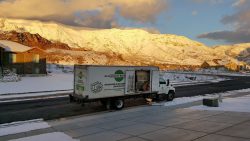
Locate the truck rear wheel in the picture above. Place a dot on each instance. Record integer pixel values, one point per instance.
(118, 104)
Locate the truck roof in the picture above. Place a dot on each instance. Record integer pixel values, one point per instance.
(114, 66)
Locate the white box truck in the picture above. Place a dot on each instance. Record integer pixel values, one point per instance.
(112, 84)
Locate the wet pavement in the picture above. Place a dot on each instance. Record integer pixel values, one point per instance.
(152, 123)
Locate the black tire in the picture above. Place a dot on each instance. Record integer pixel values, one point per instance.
(118, 104)
(170, 96)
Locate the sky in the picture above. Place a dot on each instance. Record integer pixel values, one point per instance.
(211, 22)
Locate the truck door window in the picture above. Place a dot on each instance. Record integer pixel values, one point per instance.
(162, 81)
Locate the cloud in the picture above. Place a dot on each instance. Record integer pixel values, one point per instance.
(229, 36)
(240, 21)
(90, 13)
(239, 3)
(209, 1)
(141, 10)
(104, 18)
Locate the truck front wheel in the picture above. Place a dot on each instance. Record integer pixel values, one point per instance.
(118, 104)
(170, 96)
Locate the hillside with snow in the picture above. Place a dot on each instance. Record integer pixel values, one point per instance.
(238, 51)
(129, 44)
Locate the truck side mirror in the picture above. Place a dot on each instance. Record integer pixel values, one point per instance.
(168, 82)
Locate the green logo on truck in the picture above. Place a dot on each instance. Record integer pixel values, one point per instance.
(119, 75)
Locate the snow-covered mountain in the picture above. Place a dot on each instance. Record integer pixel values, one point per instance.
(119, 46)
(239, 51)
(131, 44)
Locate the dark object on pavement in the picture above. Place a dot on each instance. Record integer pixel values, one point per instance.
(211, 102)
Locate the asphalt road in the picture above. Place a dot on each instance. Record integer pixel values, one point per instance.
(235, 83)
(61, 107)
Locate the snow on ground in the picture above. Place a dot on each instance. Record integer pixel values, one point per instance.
(52, 82)
(22, 126)
(183, 100)
(238, 104)
(225, 73)
(185, 79)
(54, 136)
(180, 77)
(213, 72)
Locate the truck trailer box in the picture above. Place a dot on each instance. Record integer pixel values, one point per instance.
(105, 82)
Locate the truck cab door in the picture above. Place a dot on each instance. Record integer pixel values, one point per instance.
(130, 82)
(155, 77)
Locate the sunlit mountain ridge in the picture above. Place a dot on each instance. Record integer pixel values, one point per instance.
(127, 46)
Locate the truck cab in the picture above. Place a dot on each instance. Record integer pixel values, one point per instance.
(166, 90)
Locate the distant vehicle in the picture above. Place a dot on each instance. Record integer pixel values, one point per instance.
(113, 84)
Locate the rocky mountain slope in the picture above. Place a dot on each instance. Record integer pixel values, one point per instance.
(31, 40)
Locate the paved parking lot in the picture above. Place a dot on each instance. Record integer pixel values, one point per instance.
(155, 123)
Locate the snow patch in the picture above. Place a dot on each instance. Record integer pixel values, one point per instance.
(222, 73)
(53, 82)
(22, 126)
(186, 79)
(54, 136)
(13, 46)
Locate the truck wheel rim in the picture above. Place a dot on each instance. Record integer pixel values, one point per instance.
(170, 96)
(119, 103)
